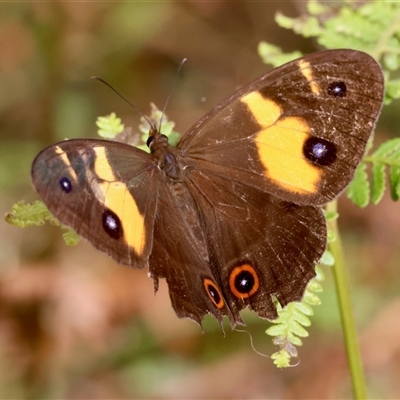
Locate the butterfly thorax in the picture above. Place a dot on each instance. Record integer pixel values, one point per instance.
(164, 155)
(166, 158)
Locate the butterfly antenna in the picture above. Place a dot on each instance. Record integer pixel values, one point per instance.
(170, 92)
(252, 342)
(124, 98)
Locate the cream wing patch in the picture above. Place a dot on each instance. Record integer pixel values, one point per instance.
(306, 70)
(280, 145)
(61, 153)
(115, 196)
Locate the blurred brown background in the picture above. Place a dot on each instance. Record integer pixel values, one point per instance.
(73, 324)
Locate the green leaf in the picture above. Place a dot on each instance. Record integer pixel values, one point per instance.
(276, 330)
(392, 89)
(327, 259)
(302, 307)
(285, 22)
(394, 176)
(307, 27)
(37, 214)
(316, 8)
(394, 179)
(320, 277)
(391, 61)
(294, 340)
(32, 214)
(385, 149)
(109, 126)
(290, 325)
(311, 299)
(315, 287)
(281, 359)
(298, 330)
(331, 236)
(358, 190)
(331, 215)
(301, 318)
(377, 182)
(350, 26)
(387, 154)
(273, 55)
(71, 238)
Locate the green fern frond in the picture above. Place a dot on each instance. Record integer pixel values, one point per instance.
(394, 177)
(387, 155)
(307, 27)
(392, 90)
(32, 214)
(37, 214)
(71, 238)
(373, 27)
(361, 191)
(109, 126)
(370, 27)
(289, 327)
(271, 54)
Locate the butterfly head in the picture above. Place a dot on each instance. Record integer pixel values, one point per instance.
(156, 140)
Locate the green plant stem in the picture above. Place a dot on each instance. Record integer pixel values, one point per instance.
(346, 313)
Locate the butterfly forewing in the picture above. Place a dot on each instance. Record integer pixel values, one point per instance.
(106, 191)
(298, 132)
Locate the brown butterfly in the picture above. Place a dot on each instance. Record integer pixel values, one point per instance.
(231, 216)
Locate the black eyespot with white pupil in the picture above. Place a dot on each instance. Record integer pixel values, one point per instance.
(65, 184)
(337, 89)
(320, 151)
(213, 293)
(112, 224)
(244, 281)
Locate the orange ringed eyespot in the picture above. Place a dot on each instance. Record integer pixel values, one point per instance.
(214, 293)
(243, 281)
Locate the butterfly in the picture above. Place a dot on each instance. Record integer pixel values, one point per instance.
(231, 217)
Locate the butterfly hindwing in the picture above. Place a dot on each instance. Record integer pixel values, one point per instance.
(180, 254)
(261, 246)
